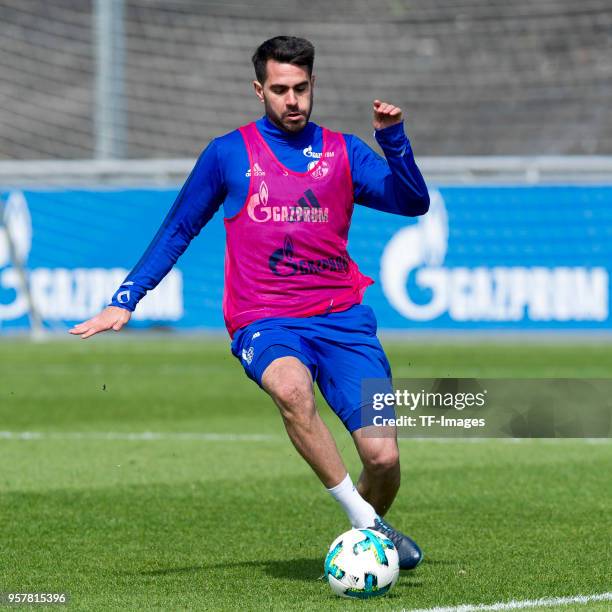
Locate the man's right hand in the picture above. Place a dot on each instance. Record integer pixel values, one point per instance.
(112, 317)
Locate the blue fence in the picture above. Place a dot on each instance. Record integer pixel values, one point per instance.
(482, 258)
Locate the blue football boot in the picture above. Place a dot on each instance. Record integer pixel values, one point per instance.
(410, 554)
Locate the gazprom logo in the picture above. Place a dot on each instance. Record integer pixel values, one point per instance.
(15, 244)
(66, 293)
(18, 223)
(257, 207)
(412, 264)
(306, 210)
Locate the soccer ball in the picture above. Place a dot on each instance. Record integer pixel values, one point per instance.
(362, 563)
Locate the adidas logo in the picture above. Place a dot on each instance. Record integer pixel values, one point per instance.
(257, 171)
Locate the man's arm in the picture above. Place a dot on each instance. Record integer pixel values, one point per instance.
(197, 202)
(394, 184)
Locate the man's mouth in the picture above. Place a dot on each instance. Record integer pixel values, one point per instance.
(293, 115)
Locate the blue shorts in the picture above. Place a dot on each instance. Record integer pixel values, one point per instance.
(340, 349)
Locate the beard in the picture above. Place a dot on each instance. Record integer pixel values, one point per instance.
(286, 123)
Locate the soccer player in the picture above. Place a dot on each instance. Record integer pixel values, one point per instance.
(292, 301)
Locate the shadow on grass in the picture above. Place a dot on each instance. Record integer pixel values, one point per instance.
(294, 569)
(304, 569)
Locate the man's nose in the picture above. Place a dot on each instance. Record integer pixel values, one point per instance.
(291, 98)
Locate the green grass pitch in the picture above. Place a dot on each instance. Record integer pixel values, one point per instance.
(182, 524)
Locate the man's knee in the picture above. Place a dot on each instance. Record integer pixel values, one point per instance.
(289, 383)
(383, 459)
(293, 394)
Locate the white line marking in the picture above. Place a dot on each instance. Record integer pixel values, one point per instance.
(146, 436)
(152, 436)
(505, 440)
(545, 602)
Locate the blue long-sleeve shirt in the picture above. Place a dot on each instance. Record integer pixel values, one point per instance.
(220, 177)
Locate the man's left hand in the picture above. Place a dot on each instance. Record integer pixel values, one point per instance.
(385, 115)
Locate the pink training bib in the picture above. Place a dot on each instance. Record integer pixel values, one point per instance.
(285, 252)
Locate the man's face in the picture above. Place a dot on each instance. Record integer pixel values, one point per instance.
(286, 95)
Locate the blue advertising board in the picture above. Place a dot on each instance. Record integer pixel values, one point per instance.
(503, 258)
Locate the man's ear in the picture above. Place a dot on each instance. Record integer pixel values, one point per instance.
(312, 80)
(258, 87)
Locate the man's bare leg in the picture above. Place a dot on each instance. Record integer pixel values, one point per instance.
(380, 479)
(289, 383)
(379, 483)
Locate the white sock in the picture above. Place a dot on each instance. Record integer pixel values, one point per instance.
(359, 511)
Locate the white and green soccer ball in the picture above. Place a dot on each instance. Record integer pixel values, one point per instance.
(362, 563)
